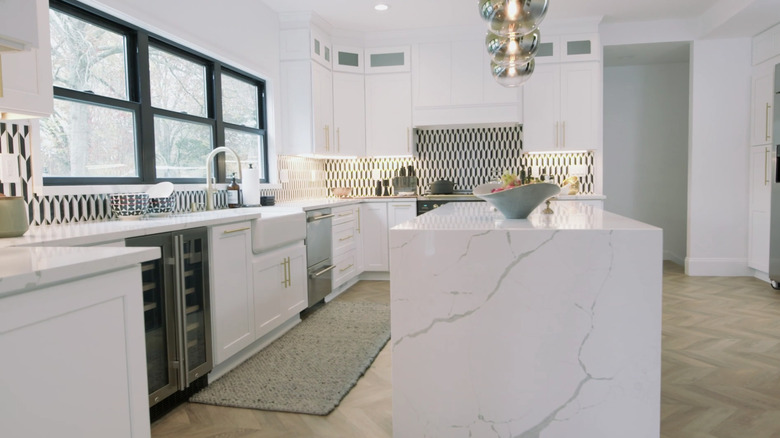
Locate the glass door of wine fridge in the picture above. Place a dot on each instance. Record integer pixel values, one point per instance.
(176, 311)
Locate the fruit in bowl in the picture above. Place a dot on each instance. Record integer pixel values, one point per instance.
(516, 201)
(509, 181)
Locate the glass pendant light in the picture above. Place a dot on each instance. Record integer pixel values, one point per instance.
(512, 74)
(513, 17)
(517, 49)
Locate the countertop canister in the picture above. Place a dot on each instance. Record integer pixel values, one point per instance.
(13, 216)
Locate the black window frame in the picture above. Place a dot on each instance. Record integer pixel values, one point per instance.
(138, 41)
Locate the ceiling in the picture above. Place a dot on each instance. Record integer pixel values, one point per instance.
(359, 15)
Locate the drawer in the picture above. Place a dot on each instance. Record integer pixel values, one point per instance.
(345, 269)
(343, 214)
(344, 238)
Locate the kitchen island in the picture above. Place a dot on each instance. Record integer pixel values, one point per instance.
(543, 327)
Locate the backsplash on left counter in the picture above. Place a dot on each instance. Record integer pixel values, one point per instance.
(305, 181)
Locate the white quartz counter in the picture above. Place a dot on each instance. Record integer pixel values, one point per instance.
(25, 269)
(543, 327)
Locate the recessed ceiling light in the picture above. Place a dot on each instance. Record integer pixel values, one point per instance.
(381, 7)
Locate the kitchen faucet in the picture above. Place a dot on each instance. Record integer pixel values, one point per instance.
(209, 162)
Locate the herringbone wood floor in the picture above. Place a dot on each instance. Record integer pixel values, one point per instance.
(721, 373)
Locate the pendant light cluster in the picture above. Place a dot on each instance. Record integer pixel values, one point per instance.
(513, 37)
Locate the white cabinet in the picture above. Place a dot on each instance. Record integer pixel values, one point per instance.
(375, 251)
(761, 163)
(231, 289)
(399, 212)
(25, 76)
(388, 59)
(279, 286)
(389, 114)
(569, 48)
(377, 219)
(452, 84)
(762, 100)
(18, 25)
(74, 362)
(320, 47)
(562, 107)
(307, 108)
(349, 114)
(348, 59)
(347, 240)
(766, 45)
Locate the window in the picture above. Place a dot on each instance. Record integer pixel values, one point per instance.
(131, 107)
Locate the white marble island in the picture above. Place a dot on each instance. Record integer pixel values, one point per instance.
(545, 327)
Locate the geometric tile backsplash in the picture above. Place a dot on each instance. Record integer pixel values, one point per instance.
(468, 156)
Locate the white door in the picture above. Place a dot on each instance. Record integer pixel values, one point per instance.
(580, 109)
(294, 293)
(374, 232)
(762, 100)
(541, 109)
(400, 212)
(349, 114)
(388, 114)
(268, 277)
(322, 96)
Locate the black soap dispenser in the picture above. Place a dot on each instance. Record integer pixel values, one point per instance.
(234, 194)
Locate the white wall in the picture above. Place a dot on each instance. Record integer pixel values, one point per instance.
(646, 148)
(718, 157)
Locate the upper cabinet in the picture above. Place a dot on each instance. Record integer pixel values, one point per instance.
(562, 99)
(388, 60)
(766, 45)
(306, 83)
(25, 76)
(569, 48)
(349, 114)
(389, 114)
(348, 59)
(18, 24)
(452, 84)
(562, 107)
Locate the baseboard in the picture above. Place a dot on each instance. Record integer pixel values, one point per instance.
(375, 275)
(717, 267)
(763, 276)
(252, 349)
(672, 257)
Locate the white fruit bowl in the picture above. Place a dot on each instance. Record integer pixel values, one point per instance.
(517, 202)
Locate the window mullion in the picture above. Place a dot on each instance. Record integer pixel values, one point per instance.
(146, 148)
(215, 93)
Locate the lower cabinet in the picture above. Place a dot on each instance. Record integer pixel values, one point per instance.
(377, 219)
(231, 289)
(347, 244)
(279, 279)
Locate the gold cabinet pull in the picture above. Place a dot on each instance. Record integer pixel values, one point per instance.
(556, 135)
(349, 213)
(766, 125)
(289, 273)
(766, 161)
(338, 139)
(563, 135)
(358, 221)
(350, 265)
(408, 140)
(235, 231)
(346, 238)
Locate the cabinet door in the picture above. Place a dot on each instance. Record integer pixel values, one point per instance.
(359, 241)
(389, 114)
(348, 59)
(541, 109)
(322, 96)
(26, 82)
(374, 226)
(433, 75)
(320, 47)
(388, 59)
(580, 105)
(294, 292)
(349, 114)
(231, 289)
(269, 274)
(18, 25)
(762, 100)
(400, 212)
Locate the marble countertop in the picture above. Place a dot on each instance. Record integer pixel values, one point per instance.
(24, 269)
(481, 216)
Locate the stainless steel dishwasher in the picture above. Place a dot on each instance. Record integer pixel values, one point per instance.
(319, 254)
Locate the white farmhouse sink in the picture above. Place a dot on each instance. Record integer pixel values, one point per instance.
(276, 228)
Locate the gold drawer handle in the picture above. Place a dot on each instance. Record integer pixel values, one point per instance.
(350, 265)
(346, 238)
(235, 231)
(349, 213)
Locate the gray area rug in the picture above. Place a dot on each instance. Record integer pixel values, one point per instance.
(310, 368)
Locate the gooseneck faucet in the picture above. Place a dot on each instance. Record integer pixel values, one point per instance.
(209, 172)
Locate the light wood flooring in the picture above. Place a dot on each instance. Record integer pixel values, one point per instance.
(720, 365)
